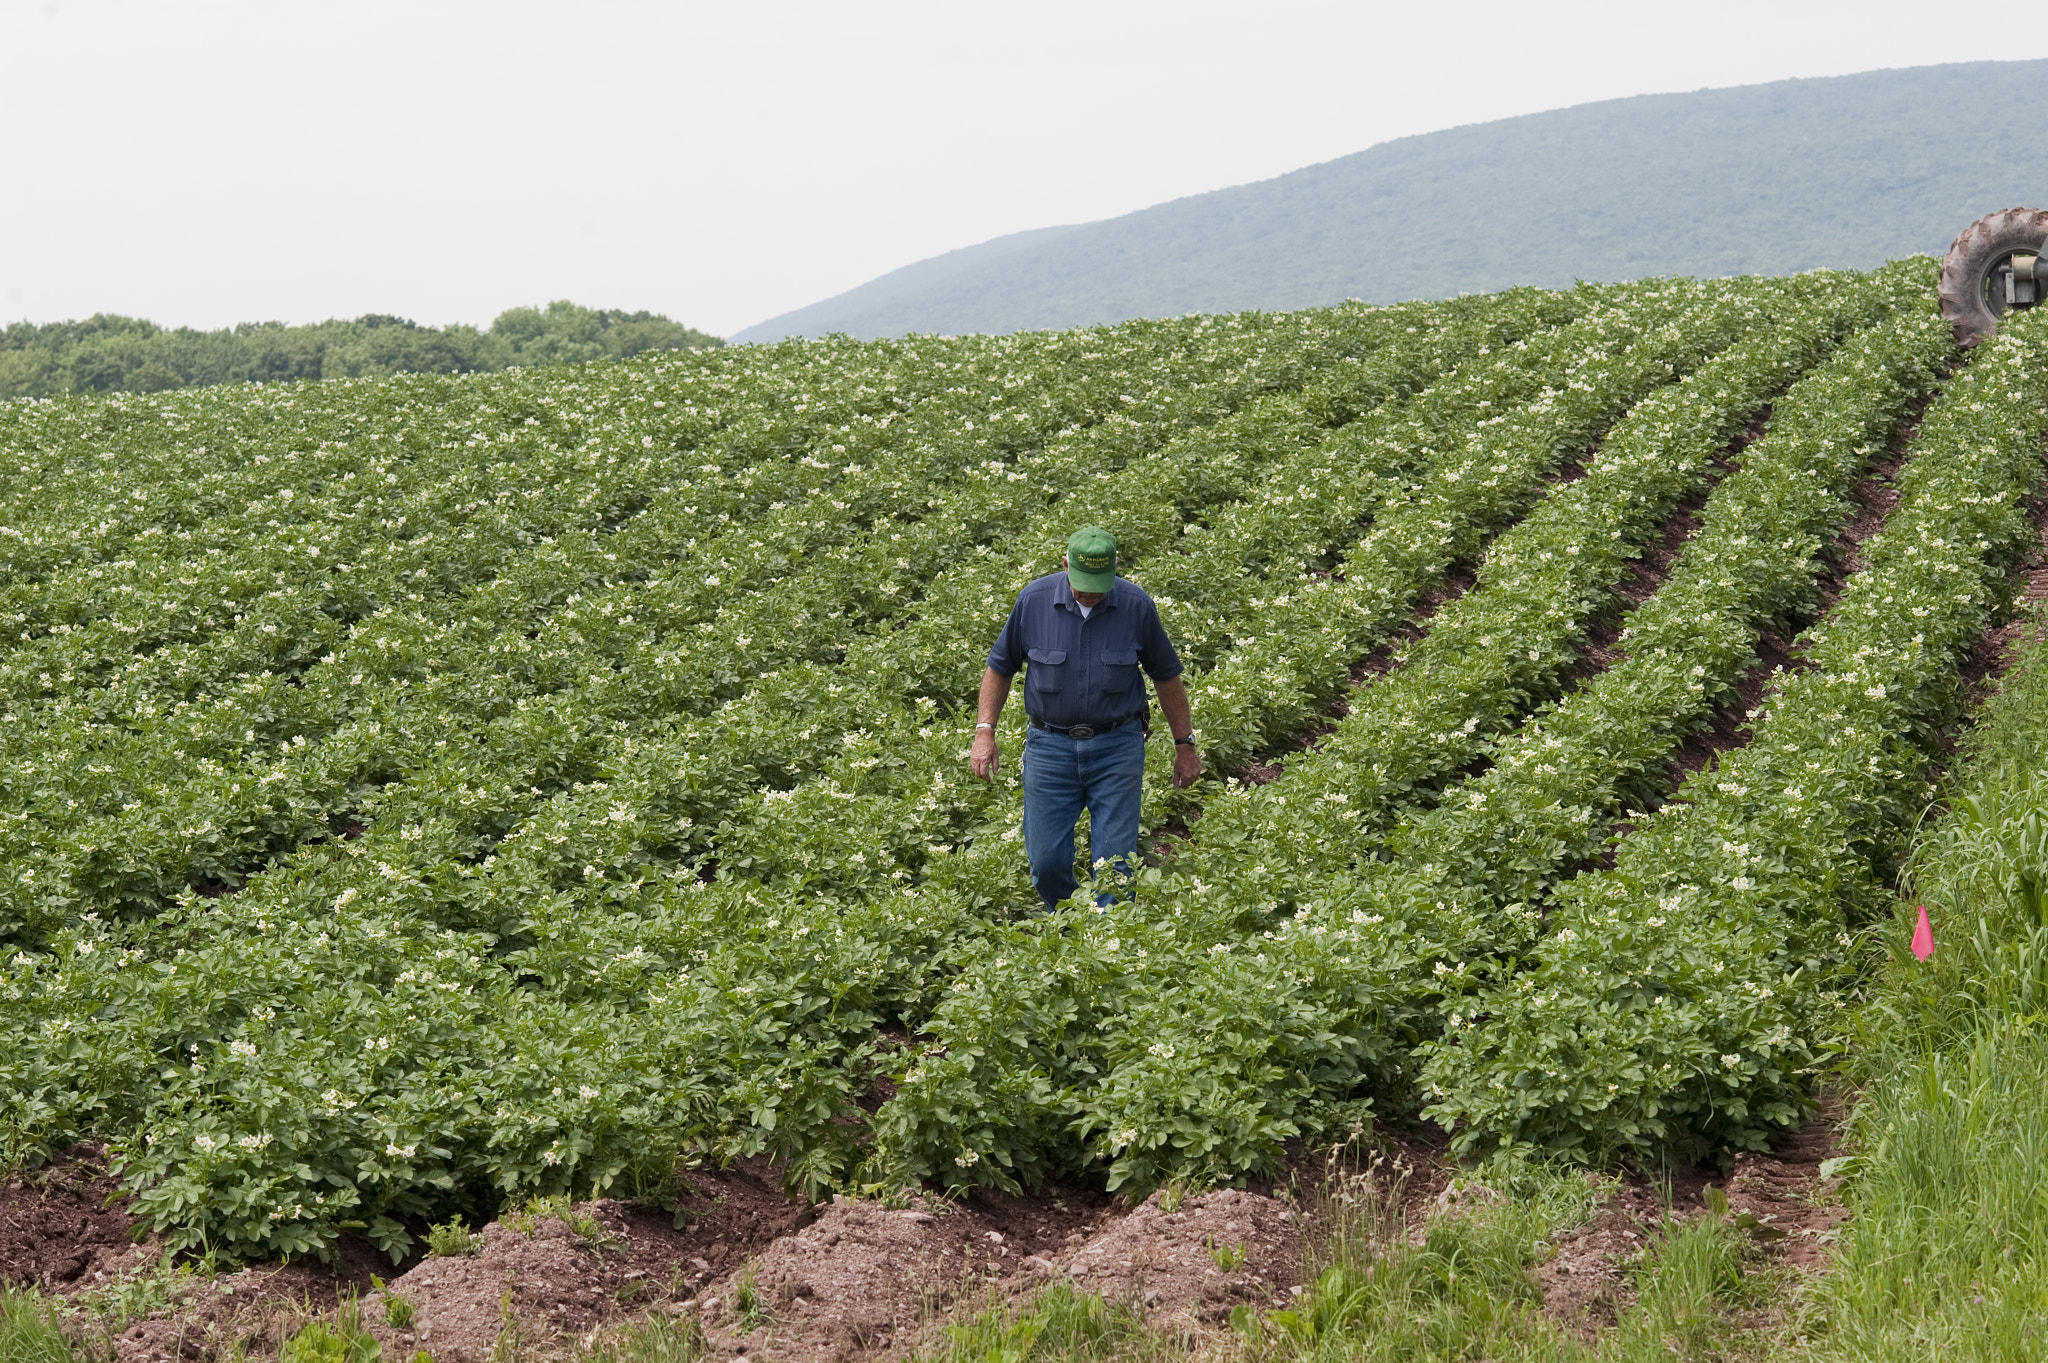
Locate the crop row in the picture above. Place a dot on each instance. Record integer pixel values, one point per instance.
(890, 754)
(1680, 1000)
(123, 1084)
(1274, 682)
(1511, 641)
(582, 935)
(341, 721)
(172, 477)
(403, 503)
(1296, 850)
(1393, 950)
(745, 1038)
(612, 670)
(795, 721)
(854, 830)
(1381, 471)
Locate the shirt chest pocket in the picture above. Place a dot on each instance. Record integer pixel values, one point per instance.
(1119, 669)
(1048, 668)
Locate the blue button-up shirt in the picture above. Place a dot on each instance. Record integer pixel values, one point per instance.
(1084, 671)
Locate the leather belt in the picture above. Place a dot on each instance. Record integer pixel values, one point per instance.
(1080, 731)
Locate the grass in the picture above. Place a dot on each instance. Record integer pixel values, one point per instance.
(1694, 1286)
(657, 1339)
(1461, 1291)
(30, 1332)
(1947, 1254)
(1059, 1323)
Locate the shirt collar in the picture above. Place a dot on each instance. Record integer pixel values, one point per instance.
(1065, 597)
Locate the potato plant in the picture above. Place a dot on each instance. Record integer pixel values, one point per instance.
(426, 791)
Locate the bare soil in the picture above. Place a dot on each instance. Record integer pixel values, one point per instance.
(1647, 572)
(67, 1227)
(762, 1274)
(1458, 579)
(1778, 1198)
(766, 1277)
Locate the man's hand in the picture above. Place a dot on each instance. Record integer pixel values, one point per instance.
(983, 758)
(1180, 723)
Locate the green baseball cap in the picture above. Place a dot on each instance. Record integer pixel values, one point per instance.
(1091, 559)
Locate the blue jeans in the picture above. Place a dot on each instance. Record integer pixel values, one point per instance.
(1062, 776)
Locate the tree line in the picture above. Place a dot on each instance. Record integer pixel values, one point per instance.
(108, 353)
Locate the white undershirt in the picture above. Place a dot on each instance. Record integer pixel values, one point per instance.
(1086, 611)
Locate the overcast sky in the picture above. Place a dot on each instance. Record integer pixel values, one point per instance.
(208, 163)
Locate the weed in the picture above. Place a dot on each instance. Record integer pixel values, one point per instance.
(585, 1227)
(1228, 1258)
(30, 1332)
(657, 1339)
(512, 1341)
(1059, 1323)
(748, 1305)
(147, 1290)
(319, 1342)
(452, 1239)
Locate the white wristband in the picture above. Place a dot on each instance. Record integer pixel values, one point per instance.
(984, 726)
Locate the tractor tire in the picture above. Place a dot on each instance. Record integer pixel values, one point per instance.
(1968, 299)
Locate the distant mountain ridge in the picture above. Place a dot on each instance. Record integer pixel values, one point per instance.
(1843, 171)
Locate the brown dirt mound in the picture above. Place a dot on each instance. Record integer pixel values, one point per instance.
(1796, 1210)
(1212, 1252)
(161, 1341)
(841, 1281)
(66, 1228)
(547, 1285)
(865, 1278)
(769, 1278)
(862, 1276)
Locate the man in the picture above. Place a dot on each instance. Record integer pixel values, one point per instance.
(1082, 636)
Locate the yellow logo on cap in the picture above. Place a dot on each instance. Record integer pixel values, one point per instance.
(1094, 563)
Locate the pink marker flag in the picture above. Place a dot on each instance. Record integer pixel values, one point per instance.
(1923, 936)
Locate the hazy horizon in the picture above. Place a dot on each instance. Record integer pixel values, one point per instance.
(205, 164)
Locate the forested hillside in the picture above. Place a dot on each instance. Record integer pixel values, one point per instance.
(111, 354)
(1845, 173)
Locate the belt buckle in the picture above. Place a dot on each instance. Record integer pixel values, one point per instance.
(1081, 731)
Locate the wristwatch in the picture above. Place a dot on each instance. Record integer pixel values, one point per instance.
(1189, 741)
